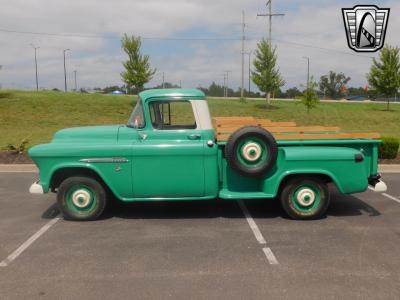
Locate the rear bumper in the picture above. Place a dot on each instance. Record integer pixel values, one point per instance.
(36, 188)
(376, 184)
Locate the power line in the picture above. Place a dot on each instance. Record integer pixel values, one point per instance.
(66, 35)
(117, 37)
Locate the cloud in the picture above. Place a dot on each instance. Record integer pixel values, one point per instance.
(98, 61)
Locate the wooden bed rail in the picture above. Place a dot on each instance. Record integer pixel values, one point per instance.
(225, 126)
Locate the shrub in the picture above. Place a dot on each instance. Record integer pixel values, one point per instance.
(18, 149)
(388, 148)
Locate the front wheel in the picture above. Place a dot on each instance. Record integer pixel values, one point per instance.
(81, 198)
(305, 198)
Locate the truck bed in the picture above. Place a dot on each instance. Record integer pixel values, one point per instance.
(225, 126)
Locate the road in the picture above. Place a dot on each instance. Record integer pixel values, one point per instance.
(291, 100)
(197, 250)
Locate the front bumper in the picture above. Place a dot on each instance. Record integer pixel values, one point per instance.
(376, 184)
(36, 188)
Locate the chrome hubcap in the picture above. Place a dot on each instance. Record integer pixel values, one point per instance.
(306, 197)
(251, 151)
(81, 198)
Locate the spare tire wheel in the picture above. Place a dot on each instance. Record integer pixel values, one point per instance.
(251, 151)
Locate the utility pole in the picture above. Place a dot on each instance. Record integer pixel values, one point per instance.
(180, 84)
(163, 80)
(308, 70)
(242, 83)
(37, 81)
(65, 71)
(249, 54)
(269, 15)
(76, 87)
(226, 84)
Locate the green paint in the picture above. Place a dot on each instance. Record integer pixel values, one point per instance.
(306, 208)
(166, 165)
(78, 209)
(241, 152)
(166, 94)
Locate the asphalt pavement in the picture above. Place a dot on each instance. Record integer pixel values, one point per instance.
(199, 249)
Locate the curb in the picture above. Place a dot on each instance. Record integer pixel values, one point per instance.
(18, 168)
(389, 168)
(31, 168)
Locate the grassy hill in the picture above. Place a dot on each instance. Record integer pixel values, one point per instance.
(37, 116)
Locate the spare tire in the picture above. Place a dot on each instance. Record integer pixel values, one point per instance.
(251, 151)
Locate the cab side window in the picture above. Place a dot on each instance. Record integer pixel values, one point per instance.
(169, 115)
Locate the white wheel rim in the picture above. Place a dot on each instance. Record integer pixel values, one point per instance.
(251, 151)
(306, 197)
(81, 198)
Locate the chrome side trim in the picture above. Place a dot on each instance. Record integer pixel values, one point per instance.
(105, 160)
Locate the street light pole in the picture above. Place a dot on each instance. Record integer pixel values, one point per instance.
(308, 70)
(76, 86)
(37, 81)
(65, 71)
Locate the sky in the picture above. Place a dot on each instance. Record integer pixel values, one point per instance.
(192, 42)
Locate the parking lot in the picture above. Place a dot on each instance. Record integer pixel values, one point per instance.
(204, 249)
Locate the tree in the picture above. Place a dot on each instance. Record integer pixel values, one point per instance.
(310, 97)
(292, 93)
(384, 75)
(167, 85)
(110, 89)
(137, 68)
(266, 75)
(333, 84)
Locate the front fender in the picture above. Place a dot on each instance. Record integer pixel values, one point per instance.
(117, 176)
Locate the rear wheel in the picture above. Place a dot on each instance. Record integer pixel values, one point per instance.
(305, 198)
(81, 198)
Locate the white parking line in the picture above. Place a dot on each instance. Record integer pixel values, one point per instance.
(270, 256)
(387, 196)
(28, 242)
(257, 233)
(391, 197)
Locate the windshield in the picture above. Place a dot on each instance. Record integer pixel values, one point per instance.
(137, 118)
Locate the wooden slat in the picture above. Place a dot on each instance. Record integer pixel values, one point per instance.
(285, 129)
(264, 123)
(222, 119)
(301, 129)
(233, 120)
(318, 136)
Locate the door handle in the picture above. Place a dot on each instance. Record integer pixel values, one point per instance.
(194, 136)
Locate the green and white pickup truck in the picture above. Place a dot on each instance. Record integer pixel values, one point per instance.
(171, 149)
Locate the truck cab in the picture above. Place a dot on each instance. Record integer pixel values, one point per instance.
(171, 149)
(173, 154)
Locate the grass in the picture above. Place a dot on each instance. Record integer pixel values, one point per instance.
(37, 116)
